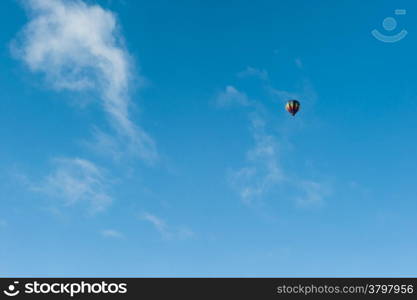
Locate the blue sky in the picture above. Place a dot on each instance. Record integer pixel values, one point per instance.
(149, 138)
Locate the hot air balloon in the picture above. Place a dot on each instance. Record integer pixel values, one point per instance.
(292, 106)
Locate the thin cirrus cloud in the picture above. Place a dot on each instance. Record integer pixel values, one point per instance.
(250, 71)
(314, 193)
(263, 170)
(231, 96)
(111, 233)
(3, 223)
(77, 181)
(298, 63)
(78, 47)
(167, 232)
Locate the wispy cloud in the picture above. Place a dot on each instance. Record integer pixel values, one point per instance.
(298, 63)
(283, 95)
(250, 71)
(167, 232)
(306, 92)
(314, 193)
(79, 47)
(3, 223)
(76, 180)
(263, 170)
(111, 233)
(231, 96)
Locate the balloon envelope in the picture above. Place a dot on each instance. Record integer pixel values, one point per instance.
(292, 106)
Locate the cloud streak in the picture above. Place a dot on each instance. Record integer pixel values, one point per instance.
(3, 223)
(77, 181)
(231, 96)
(78, 47)
(250, 71)
(314, 193)
(166, 232)
(263, 170)
(111, 233)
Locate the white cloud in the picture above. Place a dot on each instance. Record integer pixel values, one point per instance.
(231, 96)
(299, 63)
(78, 47)
(263, 170)
(314, 193)
(116, 146)
(76, 180)
(250, 71)
(3, 223)
(283, 95)
(165, 231)
(158, 223)
(306, 93)
(111, 233)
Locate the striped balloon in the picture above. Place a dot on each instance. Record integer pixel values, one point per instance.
(292, 106)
